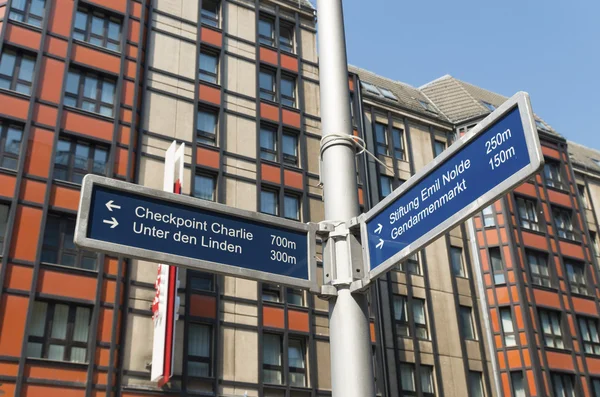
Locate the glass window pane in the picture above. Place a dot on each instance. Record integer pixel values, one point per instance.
(207, 121)
(517, 383)
(419, 311)
(59, 321)
(13, 140)
(78, 354)
(56, 352)
(288, 87)
(295, 354)
(297, 379)
(73, 82)
(106, 111)
(82, 154)
(265, 28)
(267, 138)
(475, 385)
(97, 25)
(90, 87)
(19, 5)
(100, 159)
(38, 321)
(37, 7)
(427, 379)
(26, 69)
(205, 187)
(268, 202)
(201, 281)
(114, 30)
(7, 62)
(34, 350)
(506, 317)
(23, 88)
(272, 349)
(266, 80)
(81, 20)
(407, 375)
(82, 324)
(198, 369)
(272, 376)
(108, 92)
(208, 62)
(291, 207)
(290, 144)
(199, 340)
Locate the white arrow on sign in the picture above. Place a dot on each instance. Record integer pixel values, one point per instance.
(379, 244)
(110, 205)
(113, 222)
(379, 227)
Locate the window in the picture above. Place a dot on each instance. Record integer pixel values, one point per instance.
(97, 28)
(16, 71)
(268, 143)
(488, 216)
(456, 259)
(209, 67)
(489, 106)
(381, 139)
(291, 207)
(388, 94)
(518, 386)
(410, 265)
(268, 202)
(266, 28)
(267, 85)
(540, 271)
(199, 361)
(27, 11)
(589, 333)
(427, 106)
(528, 214)
(271, 293)
(286, 37)
(407, 379)
(11, 137)
(596, 386)
(582, 193)
(296, 363)
(272, 359)
(475, 384)
(206, 127)
(290, 149)
(385, 185)
(204, 187)
(553, 174)
(563, 385)
(58, 246)
(418, 307)
(427, 380)
(397, 139)
(209, 14)
(564, 223)
(288, 91)
(75, 159)
(438, 147)
(200, 281)
(497, 266)
(295, 297)
(577, 277)
(370, 88)
(466, 322)
(401, 315)
(59, 331)
(510, 338)
(594, 244)
(551, 327)
(4, 211)
(90, 91)
(540, 124)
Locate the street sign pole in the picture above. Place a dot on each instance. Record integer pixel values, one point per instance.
(349, 331)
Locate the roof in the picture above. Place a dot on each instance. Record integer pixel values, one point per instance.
(584, 156)
(407, 96)
(305, 3)
(461, 101)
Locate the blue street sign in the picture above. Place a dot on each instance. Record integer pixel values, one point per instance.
(131, 220)
(494, 157)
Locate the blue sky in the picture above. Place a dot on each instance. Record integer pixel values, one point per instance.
(550, 49)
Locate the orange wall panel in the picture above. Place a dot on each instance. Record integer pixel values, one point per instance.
(502, 296)
(124, 134)
(289, 63)
(593, 365)
(18, 277)
(269, 112)
(39, 152)
(270, 173)
(559, 198)
(298, 321)
(121, 162)
(213, 37)
(372, 332)
(105, 325)
(273, 317)
(535, 240)
(119, 5)
(109, 288)
(291, 118)
(63, 374)
(87, 125)
(203, 306)
(132, 50)
(2, 10)
(7, 185)
(14, 106)
(293, 179)
(546, 298)
(52, 79)
(71, 285)
(514, 359)
(56, 46)
(268, 56)
(98, 59)
(8, 369)
(131, 69)
(64, 197)
(492, 237)
(60, 17)
(51, 391)
(584, 306)
(24, 37)
(128, 92)
(134, 31)
(111, 265)
(207, 157)
(136, 9)
(550, 152)
(209, 94)
(43, 114)
(125, 116)
(572, 250)
(14, 312)
(102, 356)
(351, 84)
(526, 188)
(532, 385)
(559, 361)
(26, 233)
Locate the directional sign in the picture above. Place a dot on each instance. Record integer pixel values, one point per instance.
(138, 222)
(494, 157)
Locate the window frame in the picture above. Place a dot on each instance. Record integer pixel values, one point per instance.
(527, 211)
(4, 154)
(271, 290)
(509, 336)
(80, 98)
(587, 336)
(411, 265)
(79, 254)
(497, 272)
(436, 147)
(206, 137)
(276, 201)
(297, 370)
(571, 232)
(565, 380)
(489, 106)
(399, 147)
(578, 283)
(454, 253)
(273, 367)
(4, 224)
(71, 169)
(198, 275)
(467, 329)
(553, 179)
(420, 327)
(595, 386)
(381, 147)
(209, 76)
(298, 206)
(487, 214)
(90, 12)
(517, 374)
(387, 179)
(265, 93)
(208, 19)
(27, 15)
(289, 158)
(555, 338)
(284, 46)
(267, 153)
(405, 389)
(541, 261)
(192, 358)
(209, 176)
(290, 101)
(265, 40)
(14, 80)
(68, 343)
(476, 376)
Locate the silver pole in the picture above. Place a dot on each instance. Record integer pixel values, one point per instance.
(349, 334)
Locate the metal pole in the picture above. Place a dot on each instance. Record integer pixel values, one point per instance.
(349, 332)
